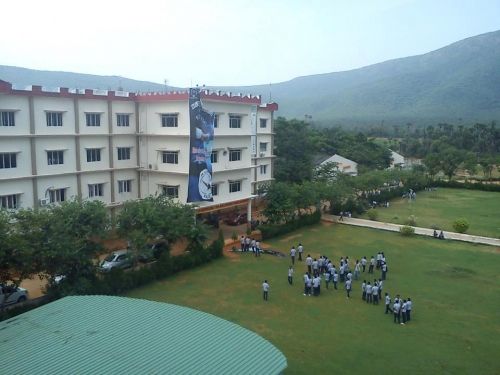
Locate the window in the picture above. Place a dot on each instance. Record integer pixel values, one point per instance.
(263, 169)
(234, 155)
(9, 201)
(234, 186)
(93, 154)
(8, 160)
(123, 153)
(54, 118)
(7, 118)
(124, 186)
(263, 123)
(170, 157)
(235, 122)
(57, 195)
(215, 189)
(55, 157)
(96, 190)
(169, 120)
(122, 119)
(263, 146)
(214, 157)
(170, 191)
(93, 119)
(216, 121)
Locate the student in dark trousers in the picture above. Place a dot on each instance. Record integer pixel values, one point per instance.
(384, 271)
(363, 289)
(372, 264)
(387, 303)
(335, 280)
(408, 309)
(396, 309)
(265, 289)
(348, 286)
(368, 293)
(363, 263)
(403, 312)
(292, 254)
(300, 249)
(290, 275)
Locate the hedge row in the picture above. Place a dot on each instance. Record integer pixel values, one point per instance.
(467, 185)
(274, 230)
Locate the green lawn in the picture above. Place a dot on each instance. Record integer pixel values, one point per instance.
(443, 206)
(455, 288)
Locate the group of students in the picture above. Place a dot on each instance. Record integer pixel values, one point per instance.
(250, 244)
(401, 308)
(371, 293)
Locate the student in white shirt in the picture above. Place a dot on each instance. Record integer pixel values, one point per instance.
(372, 264)
(348, 287)
(265, 289)
(387, 303)
(363, 263)
(290, 275)
(375, 294)
(292, 254)
(368, 293)
(309, 262)
(408, 309)
(357, 269)
(315, 266)
(327, 278)
(335, 278)
(396, 310)
(316, 281)
(403, 311)
(300, 248)
(306, 288)
(363, 290)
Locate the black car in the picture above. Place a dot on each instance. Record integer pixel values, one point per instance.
(153, 251)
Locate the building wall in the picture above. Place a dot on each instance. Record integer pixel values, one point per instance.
(31, 139)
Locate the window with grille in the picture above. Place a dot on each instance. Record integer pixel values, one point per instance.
(11, 201)
(93, 154)
(234, 155)
(123, 153)
(8, 160)
(7, 118)
(122, 119)
(170, 191)
(170, 157)
(54, 118)
(235, 122)
(214, 157)
(55, 157)
(234, 186)
(96, 190)
(124, 186)
(93, 119)
(169, 120)
(263, 123)
(57, 195)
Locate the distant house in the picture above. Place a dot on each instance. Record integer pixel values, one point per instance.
(344, 165)
(398, 160)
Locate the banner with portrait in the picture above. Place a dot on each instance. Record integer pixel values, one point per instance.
(201, 139)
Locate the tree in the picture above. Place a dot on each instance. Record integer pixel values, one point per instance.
(294, 150)
(280, 207)
(451, 158)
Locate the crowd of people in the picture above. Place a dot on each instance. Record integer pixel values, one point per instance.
(250, 244)
(322, 271)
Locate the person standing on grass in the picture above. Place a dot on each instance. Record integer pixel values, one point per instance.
(341, 272)
(247, 243)
(315, 266)
(327, 278)
(363, 290)
(408, 309)
(387, 303)
(290, 275)
(252, 245)
(309, 285)
(306, 279)
(315, 282)
(257, 248)
(403, 312)
(384, 271)
(363, 263)
(348, 286)
(300, 249)
(380, 283)
(372, 264)
(335, 278)
(379, 259)
(242, 243)
(368, 293)
(396, 310)
(292, 254)
(375, 293)
(309, 262)
(265, 289)
(357, 269)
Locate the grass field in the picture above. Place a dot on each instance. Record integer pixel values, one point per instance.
(443, 206)
(455, 288)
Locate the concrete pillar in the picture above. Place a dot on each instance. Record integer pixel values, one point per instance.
(249, 212)
(34, 171)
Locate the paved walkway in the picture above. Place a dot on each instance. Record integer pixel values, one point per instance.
(418, 230)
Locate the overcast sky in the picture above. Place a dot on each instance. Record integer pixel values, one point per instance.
(230, 42)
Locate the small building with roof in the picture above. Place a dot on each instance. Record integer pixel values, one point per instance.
(344, 165)
(119, 335)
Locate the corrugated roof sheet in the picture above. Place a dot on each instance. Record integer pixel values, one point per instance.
(118, 335)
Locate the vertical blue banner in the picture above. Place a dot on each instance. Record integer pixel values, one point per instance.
(201, 139)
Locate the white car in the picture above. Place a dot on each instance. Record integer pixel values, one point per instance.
(14, 294)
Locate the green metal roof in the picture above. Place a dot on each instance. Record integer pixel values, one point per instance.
(118, 335)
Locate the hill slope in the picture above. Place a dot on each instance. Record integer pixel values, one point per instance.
(460, 82)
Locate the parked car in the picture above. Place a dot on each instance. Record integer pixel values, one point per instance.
(116, 260)
(153, 251)
(236, 219)
(14, 294)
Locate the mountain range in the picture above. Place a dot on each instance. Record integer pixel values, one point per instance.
(459, 83)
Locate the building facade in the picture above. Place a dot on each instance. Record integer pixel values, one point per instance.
(115, 146)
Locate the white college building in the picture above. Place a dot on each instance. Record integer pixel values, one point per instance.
(114, 146)
(344, 165)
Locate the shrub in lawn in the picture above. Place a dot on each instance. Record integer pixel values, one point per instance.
(412, 220)
(372, 214)
(273, 230)
(435, 227)
(461, 225)
(407, 231)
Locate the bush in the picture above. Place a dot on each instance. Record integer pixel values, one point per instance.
(412, 220)
(467, 185)
(372, 214)
(407, 231)
(273, 230)
(461, 225)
